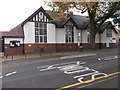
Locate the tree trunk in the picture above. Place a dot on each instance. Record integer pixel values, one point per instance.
(92, 29)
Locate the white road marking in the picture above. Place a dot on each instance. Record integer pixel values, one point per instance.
(93, 76)
(73, 67)
(38, 67)
(1, 77)
(116, 56)
(49, 65)
(58, 66)
(11, 73)
(67, 66)
(69, 63)
(48, 68)
(83, 63)
(86, 74)
(69, 69)
(77, 71)
(76, 56)
(99, 58)
(108, 58)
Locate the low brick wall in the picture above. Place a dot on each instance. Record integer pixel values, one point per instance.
(39, 48)
(66, 47)
(44, 48)
(12, 50)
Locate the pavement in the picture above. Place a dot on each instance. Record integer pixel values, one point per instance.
(61, 56)
(1, 54)
(66, 55)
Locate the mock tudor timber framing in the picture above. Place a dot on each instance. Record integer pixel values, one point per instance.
(35, 17)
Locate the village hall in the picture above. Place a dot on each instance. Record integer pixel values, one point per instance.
(39, 34)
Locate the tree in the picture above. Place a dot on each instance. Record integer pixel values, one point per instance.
(116, 16)
(98, 13)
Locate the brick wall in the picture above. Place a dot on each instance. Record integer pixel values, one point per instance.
(39, 48)
(44, 48)
(66, 47)
(13, 50)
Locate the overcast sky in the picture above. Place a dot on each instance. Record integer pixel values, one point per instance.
(13, 12)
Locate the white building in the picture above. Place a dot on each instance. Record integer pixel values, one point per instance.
(39, 34)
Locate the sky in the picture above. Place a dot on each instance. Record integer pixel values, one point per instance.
(13, 12)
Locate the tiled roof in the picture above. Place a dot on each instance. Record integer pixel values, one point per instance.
(80, 22)
(53, 14)
(15, 32)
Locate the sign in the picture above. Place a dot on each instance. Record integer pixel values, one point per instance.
(5, 47)
(15, 43)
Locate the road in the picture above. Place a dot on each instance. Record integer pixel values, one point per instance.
(97, 71)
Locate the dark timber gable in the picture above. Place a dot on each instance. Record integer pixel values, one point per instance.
(38, 16)
(71, 20)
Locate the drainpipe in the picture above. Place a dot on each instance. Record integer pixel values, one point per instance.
(3, 44)
(23, 47)
(23, 39)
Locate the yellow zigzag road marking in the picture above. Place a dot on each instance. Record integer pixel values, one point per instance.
(88, 81)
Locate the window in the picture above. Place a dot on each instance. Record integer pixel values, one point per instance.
(40, 32)
(69, 33)
(108, 33)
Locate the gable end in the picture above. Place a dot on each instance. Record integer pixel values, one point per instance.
(71, 20)
(38, 16)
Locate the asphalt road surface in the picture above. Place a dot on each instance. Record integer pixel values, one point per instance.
(98, 71)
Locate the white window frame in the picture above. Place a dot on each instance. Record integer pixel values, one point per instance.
(41, 27)
(109, 33)
(69, 38)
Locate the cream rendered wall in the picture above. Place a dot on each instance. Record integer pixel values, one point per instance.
(97, 38)
(29, 32)
(105, 39)
(51, 33)
(114, 36)
(60, 35)
(84, 36)
(108, 39)
(76, 35)
(7, 40)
